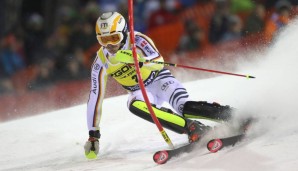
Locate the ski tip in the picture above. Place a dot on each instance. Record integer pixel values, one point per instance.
(161, 157)
(214, 145)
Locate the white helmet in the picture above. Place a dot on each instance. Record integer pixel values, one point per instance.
(111, 28)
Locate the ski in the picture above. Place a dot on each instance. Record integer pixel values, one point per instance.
(161, 157)
(215, 145)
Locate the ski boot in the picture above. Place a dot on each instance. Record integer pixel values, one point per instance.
(196, 130)
(204, 110)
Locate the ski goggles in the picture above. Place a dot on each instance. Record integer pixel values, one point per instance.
(113, 39)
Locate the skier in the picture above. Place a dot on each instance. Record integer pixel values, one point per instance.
(161, 85)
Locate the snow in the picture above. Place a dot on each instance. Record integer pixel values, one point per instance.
(55, 140)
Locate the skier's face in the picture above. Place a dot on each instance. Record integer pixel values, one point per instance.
(113, 48)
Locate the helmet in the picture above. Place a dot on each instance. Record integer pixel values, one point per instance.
(111, 28)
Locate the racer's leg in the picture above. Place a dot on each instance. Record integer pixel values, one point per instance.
(166, 117)
(169, 89)
(170, 120)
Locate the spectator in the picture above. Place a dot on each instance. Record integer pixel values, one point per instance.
(256, 21)
(149, 6)
(278, 20)
(108, 5)
(235, 29)
(91, 11)
(45, 75)
(192, 37)
(5, 83)
(34, 37)
(161, 16)
(47, 49)
(188, 3)
(75, 69)
(139, 15)
(6, 86)
(219, 21)
(294, 2)
(82, 36)
(10, 60)
(61, 46)
(241, 6)
(294, 7)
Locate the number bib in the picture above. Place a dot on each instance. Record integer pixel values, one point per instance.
(126, 75)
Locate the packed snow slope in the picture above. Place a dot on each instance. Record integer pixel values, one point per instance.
(54, 141)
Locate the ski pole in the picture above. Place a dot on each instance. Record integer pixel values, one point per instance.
(196, 68)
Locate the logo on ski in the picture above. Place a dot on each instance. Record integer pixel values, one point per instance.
(214, 145)
(161, 157)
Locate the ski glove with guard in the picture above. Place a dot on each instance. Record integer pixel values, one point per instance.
(92, 145)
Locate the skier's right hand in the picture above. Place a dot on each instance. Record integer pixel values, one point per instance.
(92, 145)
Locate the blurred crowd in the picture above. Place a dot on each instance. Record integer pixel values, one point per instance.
(232, 20)
(58, 54)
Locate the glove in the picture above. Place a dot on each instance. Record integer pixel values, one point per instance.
(125, 56)
(92, 145)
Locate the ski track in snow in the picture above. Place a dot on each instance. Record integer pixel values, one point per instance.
(55, 140)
